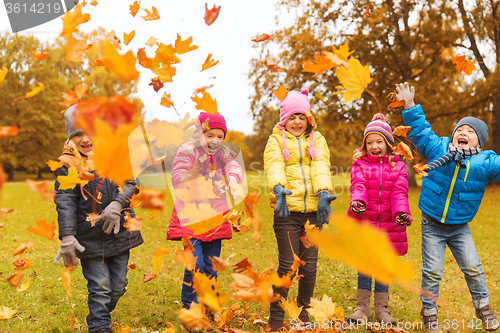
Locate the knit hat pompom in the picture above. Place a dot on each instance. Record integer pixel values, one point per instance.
(379, 126)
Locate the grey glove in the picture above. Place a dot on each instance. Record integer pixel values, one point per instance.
(111, 217)
(324, 200)
(405, 93)
(281, 205)
(68, 246)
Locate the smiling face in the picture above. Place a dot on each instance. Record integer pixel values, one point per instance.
(83, 143)
(296, 124)
(213, 140)
(465, 137)
(375, 145)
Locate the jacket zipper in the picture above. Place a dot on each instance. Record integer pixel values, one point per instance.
(467, 172)
(303, 175)
(379, 193)
(450, 193)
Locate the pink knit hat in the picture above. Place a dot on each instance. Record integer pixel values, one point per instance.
(379, 126)
(296, 102)
(215, 120)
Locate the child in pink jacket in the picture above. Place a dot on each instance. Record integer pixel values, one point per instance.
(205, 157)
(379, 195)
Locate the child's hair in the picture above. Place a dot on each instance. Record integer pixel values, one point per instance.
(361, 152)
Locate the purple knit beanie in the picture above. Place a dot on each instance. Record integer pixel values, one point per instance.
(295, 102)
(380, 126)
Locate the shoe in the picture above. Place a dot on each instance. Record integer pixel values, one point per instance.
(105, 330)
(431, 324)
(362, 307)
(382, 308)
(304, 318)
(488, 318)
(275, 325)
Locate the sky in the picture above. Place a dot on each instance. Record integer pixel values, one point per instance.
(228, 39)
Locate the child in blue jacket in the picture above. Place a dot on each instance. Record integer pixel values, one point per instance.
(458, 171)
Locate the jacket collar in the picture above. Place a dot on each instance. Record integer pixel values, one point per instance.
(376, 159)
(290, 136)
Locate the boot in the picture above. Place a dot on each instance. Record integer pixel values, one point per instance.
(381, 308)
(362, 307)
(275, 325)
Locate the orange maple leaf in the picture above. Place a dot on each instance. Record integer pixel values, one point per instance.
(463, 65)
(185, 257)
(95, 63)
(94, 3)
(128, 37)
(209, 63)
(211, 14)
(122, 65)
(161, 251)
(72, 19)
(165, 73)
(75, 48)
(261, 38)
(250, 200)
(401, 131)
(421, 169)
(182, 46)
(44, 229)
(150, 16)
(134, 8)
(144, 60)
(132, 223)
(272, 66)
(42, 188)
(6, 131)
(15, 279)
(403, 149)
(73, 97)
(323, 64)
(23, 264)
(396, 104)
(280, 93)
(166, 100)
(205, 103)
(165, 133)
(147, 198)
(38, 56)
(23, 247)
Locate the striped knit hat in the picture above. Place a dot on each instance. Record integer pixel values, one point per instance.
(379, 126)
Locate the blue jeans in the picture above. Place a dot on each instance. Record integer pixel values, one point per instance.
(435, 237)
(202, 252)
(365, 283)
(106, 282)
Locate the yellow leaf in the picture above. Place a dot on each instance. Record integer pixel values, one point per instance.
(209, 291)
(35, 90)
(165, 72)
(322, 310)
(291, 309)
(182, 46)
(169, 329)
(194, 317)
(66, 280)
(94, 3)
(23, 247)
(157, 264)
(150, 16)
(401, 130)
(165, 133)
(3, 73)
(354, 79)
(54, 165)
(280, 93)
(122, 65)
(166, 100)
(7, 313)
(200, 217)
(186, 259)
(128, 37)
(363, 247)
(72, 19)
(161, 251)
(209, 62)
(403, 149)
(151, 41)
(75, 48)
(24, 286)
(71, 180)
(205, 103)
(319, 96)
(342, 52)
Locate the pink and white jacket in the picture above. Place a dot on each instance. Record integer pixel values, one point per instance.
(384, 191)
(187, 156)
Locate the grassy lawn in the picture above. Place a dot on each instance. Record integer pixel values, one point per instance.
(147, 307)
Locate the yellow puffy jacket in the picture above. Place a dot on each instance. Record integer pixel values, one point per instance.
(305, 176)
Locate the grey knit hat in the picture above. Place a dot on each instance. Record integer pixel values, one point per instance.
(69, 115)
(478, 125)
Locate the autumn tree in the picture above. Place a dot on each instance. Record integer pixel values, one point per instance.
(411, 41)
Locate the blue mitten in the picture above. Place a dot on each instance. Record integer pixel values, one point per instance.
(281, 205)
(324, 200)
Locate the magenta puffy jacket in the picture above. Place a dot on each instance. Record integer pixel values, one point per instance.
(187, 155)
(384, 191)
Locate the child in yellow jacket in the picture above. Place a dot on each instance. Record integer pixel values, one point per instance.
(297, 155)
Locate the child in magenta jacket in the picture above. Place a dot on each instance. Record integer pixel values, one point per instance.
(208, 158)
(379, 195)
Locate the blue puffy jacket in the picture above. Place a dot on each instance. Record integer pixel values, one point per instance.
(449, 194)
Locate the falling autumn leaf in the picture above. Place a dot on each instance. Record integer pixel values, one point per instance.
(44, 229)
(147, 198)
(143, 59)
(96, 63)
(32, 93)
(148, 277)
(75, 48)
(66, 280)
(91, 217)
(72, 19)
(3, 73)
(128, 37)
(43, 188)
(38, 56)
(165, 72)
(261, 38)
(6, 131)
(151, 41)
(396, 104)
(185, 257)
(21, 248)
(15, 279)
(463, 65)
(280, 93)
(211, 14)
(291, 309)
(23, 287)
(323, 64)
(134, 8)
(7, 313)
(163, 250)
(199, 90)
(325, 309)
(209, 62)
(23, 264)
(194, 317)
(272, 66)
(156, 84)
(182, 46)
(165, 133)
(401, 131)
(132, 223)
(421, 169)
(71, 180)
(403, 149)
(251, 200)
(150, 16)
(122, 65)
(354, 79)
(166, 100)
(94, 3)
(219, 264)
(209, 292)
(73, 97)
(205, 103)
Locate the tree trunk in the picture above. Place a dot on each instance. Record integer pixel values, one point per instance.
(411, 173)
(11, 174)
(495, 125)
(40, 175)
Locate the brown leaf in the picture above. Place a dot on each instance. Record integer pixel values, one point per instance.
(242, 266)
(15, 279)
(148, 277)
(272, 66)
(132, 266)
(156, 83)
(211, 14)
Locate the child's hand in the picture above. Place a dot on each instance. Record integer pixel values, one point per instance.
(324, 200)
(281, 205)
(111, 217)
(405, 93)
(358, 207)
(68, 246)
(403, 219)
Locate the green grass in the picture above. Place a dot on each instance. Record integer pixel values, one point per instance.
(147, 307)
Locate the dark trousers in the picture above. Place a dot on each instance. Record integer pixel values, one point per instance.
(288, 231)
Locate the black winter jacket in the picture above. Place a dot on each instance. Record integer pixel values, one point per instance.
(72, 211)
